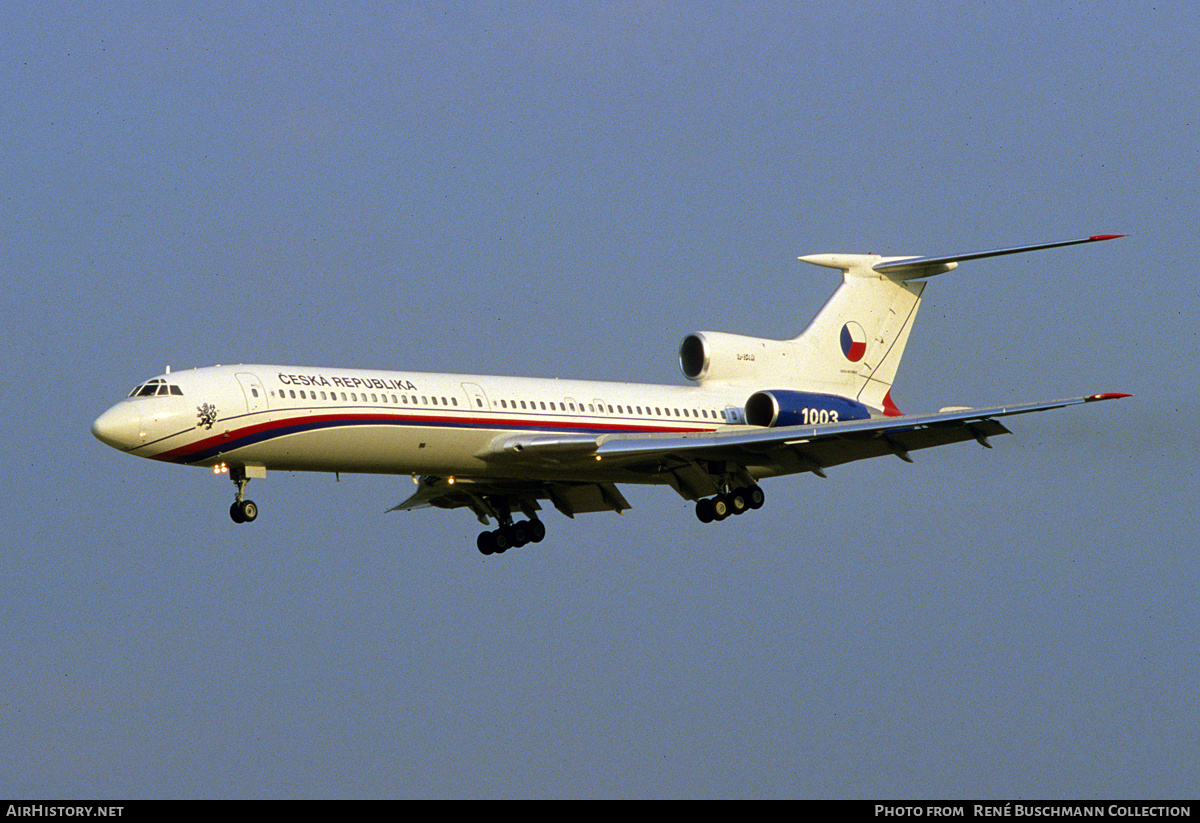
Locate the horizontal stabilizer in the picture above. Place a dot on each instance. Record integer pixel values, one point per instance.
(910, 267)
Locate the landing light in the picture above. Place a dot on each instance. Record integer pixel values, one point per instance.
(221, 468)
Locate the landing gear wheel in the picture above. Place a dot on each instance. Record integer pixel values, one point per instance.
(243, 511)
(537, 531)
(486, 543)
(738, 503)
(721, 507)
(520, 534)
(755, 497)
(704, 511)
(503, 540)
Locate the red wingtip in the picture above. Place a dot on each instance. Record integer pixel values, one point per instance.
(1105, 236)
(1112, 395)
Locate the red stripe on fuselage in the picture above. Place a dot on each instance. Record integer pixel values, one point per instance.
(315, 422)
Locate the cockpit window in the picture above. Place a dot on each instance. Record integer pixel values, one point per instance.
(156, 387)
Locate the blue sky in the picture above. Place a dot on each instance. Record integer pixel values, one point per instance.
(568, 190)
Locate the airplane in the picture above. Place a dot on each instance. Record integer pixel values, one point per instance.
(500, 446)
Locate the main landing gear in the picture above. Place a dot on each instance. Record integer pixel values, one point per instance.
(738, 501)
(509, 534)
(514, 535)
(242, 510)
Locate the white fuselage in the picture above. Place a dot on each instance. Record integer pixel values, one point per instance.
(352, 420)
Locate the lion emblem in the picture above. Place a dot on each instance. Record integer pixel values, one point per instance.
(207, 414)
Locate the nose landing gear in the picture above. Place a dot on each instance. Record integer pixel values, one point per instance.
(242, 510)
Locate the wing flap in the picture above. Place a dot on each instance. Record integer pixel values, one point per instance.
(578, 498)
(482, 495)
(834, 451)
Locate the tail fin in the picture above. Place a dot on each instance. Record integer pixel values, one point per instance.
(853, 347)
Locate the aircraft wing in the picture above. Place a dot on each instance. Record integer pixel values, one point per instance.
(680, 460)
(814, 448)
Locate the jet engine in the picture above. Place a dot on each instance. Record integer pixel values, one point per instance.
(783, 407)
(718, 357)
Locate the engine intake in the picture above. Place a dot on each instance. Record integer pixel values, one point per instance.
(721, 357)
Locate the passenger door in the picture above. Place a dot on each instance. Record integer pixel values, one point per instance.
(256, 398)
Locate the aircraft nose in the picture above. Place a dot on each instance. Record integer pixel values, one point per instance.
(119, 427)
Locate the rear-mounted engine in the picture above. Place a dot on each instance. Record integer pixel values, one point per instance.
(782, 407)
(727, 358)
